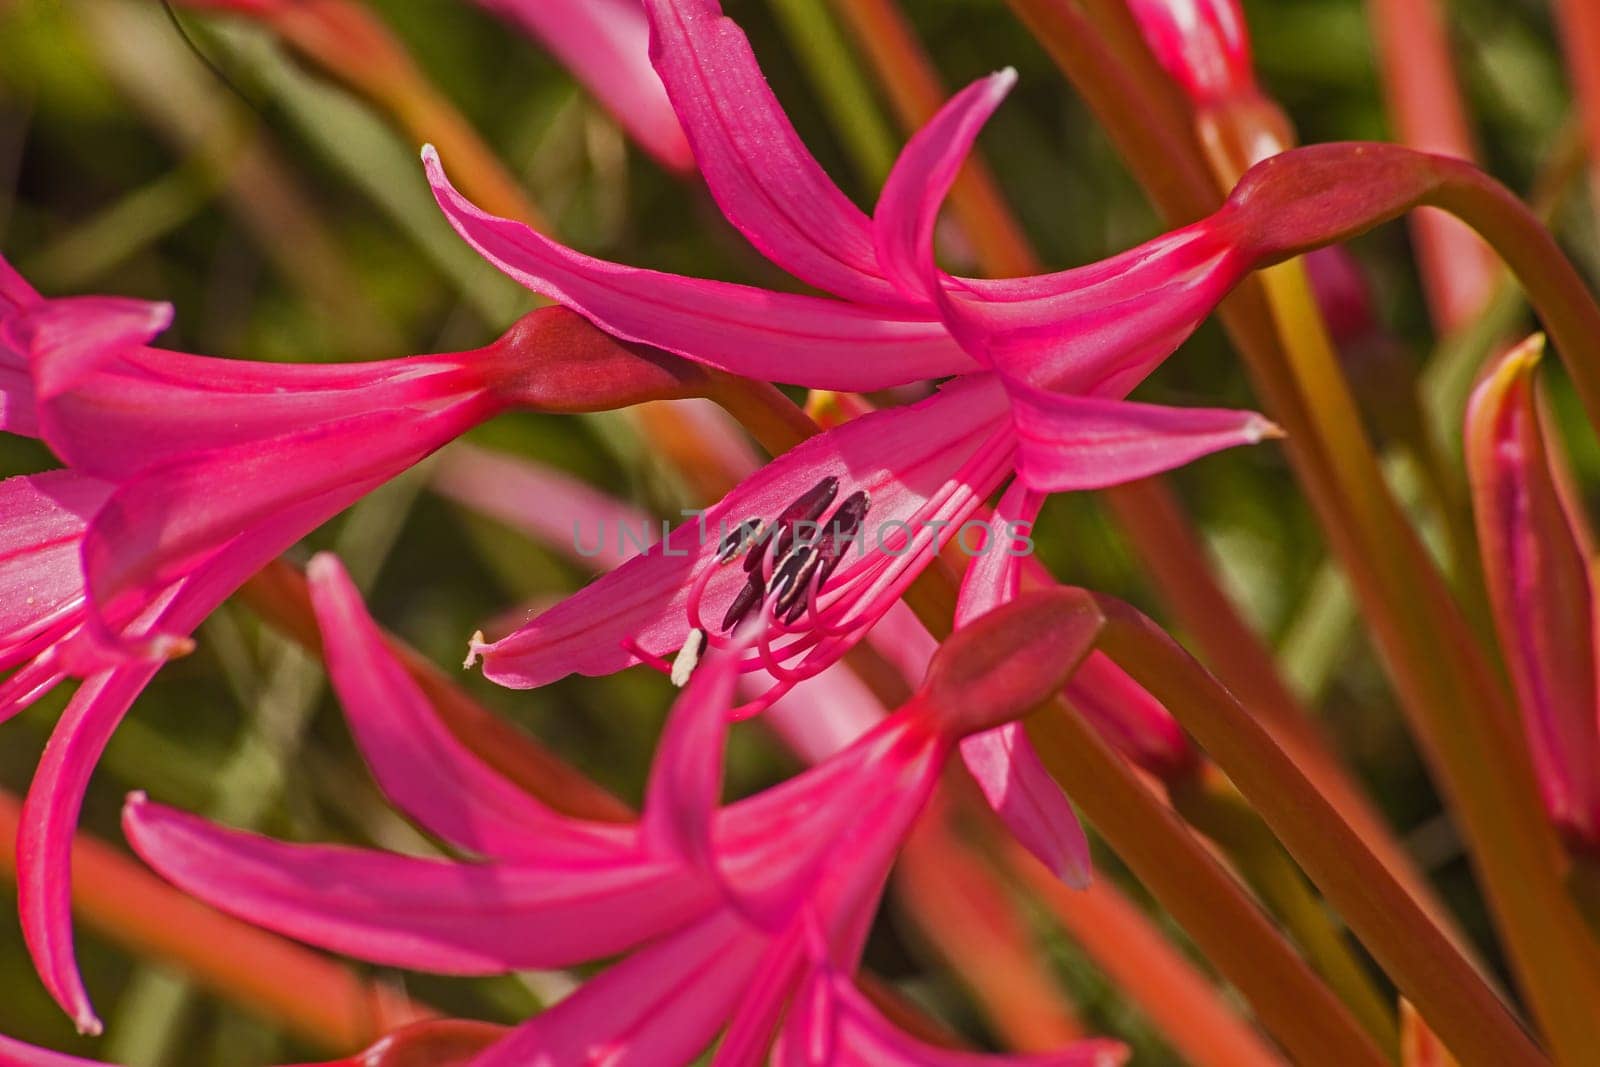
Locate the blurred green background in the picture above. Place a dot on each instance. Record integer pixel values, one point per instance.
(287, 222)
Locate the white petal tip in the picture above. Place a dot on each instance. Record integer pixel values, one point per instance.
(1262, 429)
(430, 154)
(475, 648)
(322, 566)
(158, 316)
(88, 1024)
(169, 647)
(1073, 872)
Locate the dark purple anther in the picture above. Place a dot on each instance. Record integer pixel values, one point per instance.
(754, 591)
(790, 580)
(737, 538)
(807, 508)
(837, 536)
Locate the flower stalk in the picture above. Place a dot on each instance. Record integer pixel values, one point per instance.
(1224, 922)
(1210, 803)
(1412, 948)
(1456, 702)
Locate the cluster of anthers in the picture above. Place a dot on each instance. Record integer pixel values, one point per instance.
(787, 563)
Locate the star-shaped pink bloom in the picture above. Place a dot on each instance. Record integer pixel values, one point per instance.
(723, 915)
(185, 476)
(820, 543)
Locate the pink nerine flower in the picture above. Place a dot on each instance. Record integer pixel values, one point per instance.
(1538, 557)
(187, 475)
(722, 915)
(829, 536)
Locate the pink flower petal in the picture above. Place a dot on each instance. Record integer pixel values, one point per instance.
(834, 1025)
(662, 1005)
(418, 763)
(763, 178)
(781, 337)
(160, 524)
(755, 1021)
(908, 208)
(605, 43)
(41, 579)
(435, 915)
(900, 457)
(1077, 442)
(152, 406)
(1203, 44)
(17, 413)
(68, 339)
(50, 812)
(1002, 761)
(44, 834)
(16, 1054)
(1124, 713)
(1097, 328)
(685, 787)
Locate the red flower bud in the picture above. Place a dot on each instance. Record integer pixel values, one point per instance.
(1005, 664)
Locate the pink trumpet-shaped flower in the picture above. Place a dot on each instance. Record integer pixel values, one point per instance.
(723, 913)
(1538, 562)
(828, 536)
(605, 43)
(187, 475)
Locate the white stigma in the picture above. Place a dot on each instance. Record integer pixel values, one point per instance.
(683, 663)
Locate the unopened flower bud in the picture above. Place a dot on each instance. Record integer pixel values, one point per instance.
(1006, 663)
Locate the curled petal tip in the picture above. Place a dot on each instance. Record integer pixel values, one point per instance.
(430, 154)
(1261, 429)
(68, 338)
(170, 646)
(476, 646)
(88, 1024)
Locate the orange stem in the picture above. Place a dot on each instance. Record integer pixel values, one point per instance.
(1183, 1003)
(968, 918)
(1412, 949)
(1238, 656)
(1180, 871)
